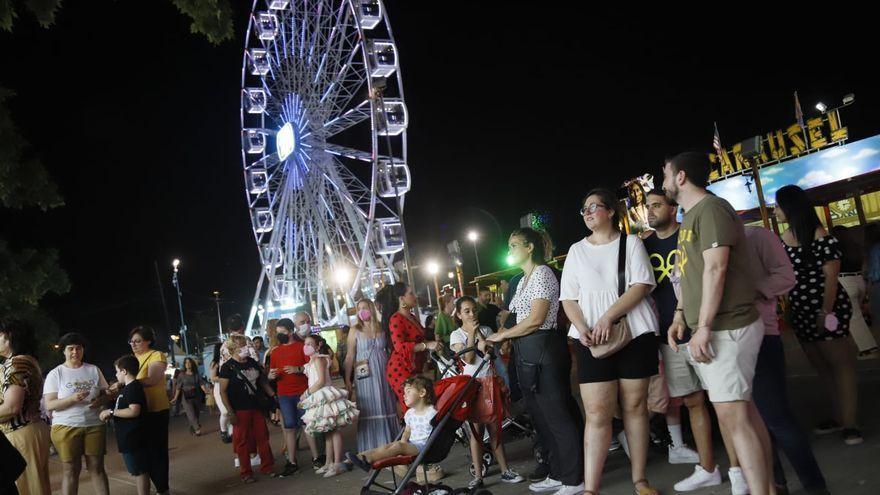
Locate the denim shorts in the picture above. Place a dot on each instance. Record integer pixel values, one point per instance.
(137, 462)
(290, 411)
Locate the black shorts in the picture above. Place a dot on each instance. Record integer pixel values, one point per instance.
(639, 359)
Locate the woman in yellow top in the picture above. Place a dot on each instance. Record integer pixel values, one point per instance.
(151, 374)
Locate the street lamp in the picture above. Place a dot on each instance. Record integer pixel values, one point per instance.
(473, 236)
(175, 280)
(219, 319)
(433, 269)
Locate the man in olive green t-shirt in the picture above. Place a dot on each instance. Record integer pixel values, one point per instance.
(718, 303)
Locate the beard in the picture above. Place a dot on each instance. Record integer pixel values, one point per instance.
(658, 223)
(672, 192)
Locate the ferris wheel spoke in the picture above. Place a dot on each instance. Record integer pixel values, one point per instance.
(348, 120)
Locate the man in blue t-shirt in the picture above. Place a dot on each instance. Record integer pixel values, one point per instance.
(681, 379)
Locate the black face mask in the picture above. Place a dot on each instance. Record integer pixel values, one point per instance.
(283, 338)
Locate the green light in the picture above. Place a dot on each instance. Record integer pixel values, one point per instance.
(509, 260)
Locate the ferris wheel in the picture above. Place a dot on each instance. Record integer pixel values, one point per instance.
(323, 126)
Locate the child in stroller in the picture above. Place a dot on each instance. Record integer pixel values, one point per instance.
(418, 395)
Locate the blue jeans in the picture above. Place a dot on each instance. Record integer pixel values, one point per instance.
(771, 398)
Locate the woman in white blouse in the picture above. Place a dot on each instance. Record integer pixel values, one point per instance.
(542, 363)
(589, 295)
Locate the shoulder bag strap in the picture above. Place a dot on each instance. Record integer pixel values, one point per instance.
(621, 266)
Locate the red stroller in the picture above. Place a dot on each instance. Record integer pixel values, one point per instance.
(455, 396)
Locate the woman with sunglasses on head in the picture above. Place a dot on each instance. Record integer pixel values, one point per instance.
(152, 376)
(409, 347)
(542, 362)
(591, 298)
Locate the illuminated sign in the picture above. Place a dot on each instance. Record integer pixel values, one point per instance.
(818, 133)
(816, 169)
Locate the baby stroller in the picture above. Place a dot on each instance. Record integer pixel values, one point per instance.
(514, 425)
(455, 396)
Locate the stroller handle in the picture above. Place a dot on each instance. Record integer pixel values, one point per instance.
(489, 354)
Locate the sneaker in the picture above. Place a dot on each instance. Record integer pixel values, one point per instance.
(699, 479)
(225, 438)
(570, 490)
(247, 480)
(615, 444)
(358, 461)
(289, 470)
(826, 427)
(852, 436)
(540, 473)
(511, 476)
(621, 437)
(548, 485)
(323, 469)
(738, 484)
(683, 455)
(475, 484)
(318, 462)
(333, 470)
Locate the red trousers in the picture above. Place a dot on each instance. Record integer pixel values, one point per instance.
(250, 431)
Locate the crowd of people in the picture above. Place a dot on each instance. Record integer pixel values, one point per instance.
(683, 316)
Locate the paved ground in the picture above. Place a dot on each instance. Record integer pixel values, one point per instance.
(204, 465)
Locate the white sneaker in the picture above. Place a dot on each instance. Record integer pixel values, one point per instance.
(701, 478)
(738, 484)
(621, 437)
(334, 470)
(548, 485)
(683, 455)
(570, 490)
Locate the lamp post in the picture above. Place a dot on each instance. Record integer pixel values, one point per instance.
(434, 269)
(176, 281)
(473, 236)
(219, 318)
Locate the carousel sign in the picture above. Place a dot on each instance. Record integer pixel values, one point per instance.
(817, 133)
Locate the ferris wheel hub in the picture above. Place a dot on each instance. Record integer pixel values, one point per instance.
(285, 141)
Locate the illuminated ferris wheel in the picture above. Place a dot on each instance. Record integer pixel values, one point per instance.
(323, 124)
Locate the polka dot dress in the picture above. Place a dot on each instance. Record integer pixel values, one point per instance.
(809, 291)
(404, 362)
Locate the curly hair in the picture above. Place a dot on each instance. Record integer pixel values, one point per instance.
(422, 383)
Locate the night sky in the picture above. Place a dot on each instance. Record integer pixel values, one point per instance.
(512, 108)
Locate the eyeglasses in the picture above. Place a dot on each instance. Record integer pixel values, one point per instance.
(513, 245)
(591, 208)
(135, 342)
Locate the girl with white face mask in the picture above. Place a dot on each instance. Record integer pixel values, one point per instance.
(327, 408)
(364, 373)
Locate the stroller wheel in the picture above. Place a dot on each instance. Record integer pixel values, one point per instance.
(488, 459)
(538, 455)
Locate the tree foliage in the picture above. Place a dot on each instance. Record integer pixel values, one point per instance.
(211, 18)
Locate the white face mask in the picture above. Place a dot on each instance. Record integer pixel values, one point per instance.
(304, 330)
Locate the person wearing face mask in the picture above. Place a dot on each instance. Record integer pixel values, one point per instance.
(241, 379)
(409, 353)
(286, 368)
(364, 372)
(235, 326)
(326, 408)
